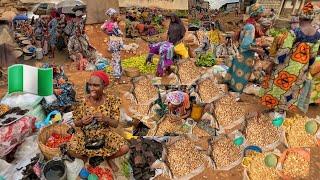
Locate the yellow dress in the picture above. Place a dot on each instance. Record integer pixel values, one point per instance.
(113, 141)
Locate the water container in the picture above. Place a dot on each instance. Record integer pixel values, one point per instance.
(39, 53)
(74, 168)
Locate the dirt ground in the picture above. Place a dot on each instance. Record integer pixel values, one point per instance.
(98, 38)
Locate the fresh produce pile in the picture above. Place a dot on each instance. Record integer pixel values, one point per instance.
(228, 111)
(102, 173)
(144, 91)
(188, 72)
(143, 154)
(224, 152)
(296, 166)
(183, 157)
(205, 60)
(296, 134)
(166, 126)
(209, 90)
(261, 132)
(139, 62)
(55, 140)
(257, 168)
(276, 32)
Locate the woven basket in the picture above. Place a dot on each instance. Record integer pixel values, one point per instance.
(132, 72)
(44, 135)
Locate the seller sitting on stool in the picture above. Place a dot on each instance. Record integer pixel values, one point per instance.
(94, 119)
(179, 104)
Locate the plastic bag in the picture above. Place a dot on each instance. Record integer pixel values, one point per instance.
(29, 148)
(7, 170)
(23, 100)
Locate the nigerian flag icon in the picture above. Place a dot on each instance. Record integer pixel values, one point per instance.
(29, 79)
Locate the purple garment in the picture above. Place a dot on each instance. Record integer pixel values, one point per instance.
(165, 50)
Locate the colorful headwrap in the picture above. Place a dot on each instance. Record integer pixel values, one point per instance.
(102, 75)
(256, 9)
(111, 12)
(175, 97)
(308, 12)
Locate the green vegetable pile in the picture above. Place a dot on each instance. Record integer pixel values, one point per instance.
(274, 32)
(206, 60)
(139, 62)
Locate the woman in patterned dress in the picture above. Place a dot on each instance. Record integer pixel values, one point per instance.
(289, 88)
(241, 67)
(94, 118)
(115, 42)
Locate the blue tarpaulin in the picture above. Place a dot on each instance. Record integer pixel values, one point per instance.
(20, 17)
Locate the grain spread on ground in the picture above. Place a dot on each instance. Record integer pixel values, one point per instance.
(183, 157)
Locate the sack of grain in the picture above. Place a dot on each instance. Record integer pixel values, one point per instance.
(144, 91)
(259, 131)
(188, 72)
(302, 132)
(209, 90)
(184, 159)
(255, 166)
(224, 153)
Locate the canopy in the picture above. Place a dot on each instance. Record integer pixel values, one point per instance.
(67, 6)
(21, 17)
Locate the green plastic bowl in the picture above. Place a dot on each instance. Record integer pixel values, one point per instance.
(271, 160)
(278, 122)
(311, 127)
(238, 141)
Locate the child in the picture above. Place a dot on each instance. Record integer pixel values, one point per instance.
(82, 62)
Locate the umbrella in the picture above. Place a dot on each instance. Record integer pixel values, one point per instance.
(20, 17)
(8, 15)
(67, 6)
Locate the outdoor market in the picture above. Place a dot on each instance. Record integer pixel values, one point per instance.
(159, 89)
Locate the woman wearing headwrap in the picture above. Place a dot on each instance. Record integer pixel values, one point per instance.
(94, 118)
(288, 87)
(241, 68)
(179, 104)
(115, 42)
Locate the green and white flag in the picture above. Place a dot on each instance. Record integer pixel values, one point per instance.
(29, 79)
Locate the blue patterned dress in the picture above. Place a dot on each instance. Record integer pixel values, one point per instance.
(241, 68)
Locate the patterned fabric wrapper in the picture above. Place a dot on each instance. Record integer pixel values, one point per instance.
(13, 134)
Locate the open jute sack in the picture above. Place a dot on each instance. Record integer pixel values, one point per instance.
(187, 159)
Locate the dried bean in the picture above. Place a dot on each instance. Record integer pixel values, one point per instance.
(296, 166)
(257, 170)
(183, 158)
(225, 152)
(188, 72)
(208, 89)
(145, 91)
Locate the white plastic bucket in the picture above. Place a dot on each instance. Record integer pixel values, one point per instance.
(39, 54)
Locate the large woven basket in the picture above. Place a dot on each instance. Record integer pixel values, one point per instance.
(132, 72)
(44, 135)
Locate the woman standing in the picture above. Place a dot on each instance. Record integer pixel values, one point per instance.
(176, 34)
(53, 24)
(95, 116)
(289, 87)
(241, 68)
(115, 42)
